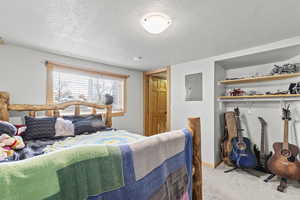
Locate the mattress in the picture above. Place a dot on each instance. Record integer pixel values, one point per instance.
(108, 137)
(112, 137)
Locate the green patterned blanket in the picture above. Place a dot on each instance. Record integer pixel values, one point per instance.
(87, 170)
(78, 164)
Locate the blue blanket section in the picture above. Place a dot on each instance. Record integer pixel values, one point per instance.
(147, 186)
(189, 158)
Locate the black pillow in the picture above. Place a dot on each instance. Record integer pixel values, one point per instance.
(38, 128)
(7, 128)
(89, 124)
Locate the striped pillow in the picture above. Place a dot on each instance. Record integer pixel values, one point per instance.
(38, 128)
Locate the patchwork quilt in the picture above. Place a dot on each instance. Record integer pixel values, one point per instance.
(116, 167)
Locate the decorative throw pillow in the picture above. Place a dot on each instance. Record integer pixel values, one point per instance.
(8, 128)
(89, 124)
(38, 128)
(64, 128)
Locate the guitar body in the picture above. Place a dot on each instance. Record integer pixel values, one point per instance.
(224, 146)
(262, 162)
(241, 154)
(284, 163)
(230, 132)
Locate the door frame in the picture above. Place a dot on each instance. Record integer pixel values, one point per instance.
(146, 76)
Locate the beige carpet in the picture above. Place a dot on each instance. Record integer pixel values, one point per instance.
(239, 185)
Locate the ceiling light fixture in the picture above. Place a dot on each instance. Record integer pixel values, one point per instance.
(156, 23)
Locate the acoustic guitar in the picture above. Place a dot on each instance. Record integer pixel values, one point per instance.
(230, 132)
(261, 155)
(241, 154)
(284, 162)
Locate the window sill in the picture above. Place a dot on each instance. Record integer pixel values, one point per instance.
(118, 114)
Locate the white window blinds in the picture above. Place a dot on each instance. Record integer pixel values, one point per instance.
(72, 85)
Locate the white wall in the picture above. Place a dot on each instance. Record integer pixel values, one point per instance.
(23, 75)
(181, 109)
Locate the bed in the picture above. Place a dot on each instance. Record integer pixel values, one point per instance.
(109, 165)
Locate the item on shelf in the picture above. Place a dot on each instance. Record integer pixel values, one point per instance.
(241, 154)
(278, 92)
(277, 70)
(281, 92)
(294, 88)
(261, 155)
(232, 79)
(237, 92)
(252, 93)
(284, 162)
(230, 132)
(245, 77)
(284, 69)
(298, 88)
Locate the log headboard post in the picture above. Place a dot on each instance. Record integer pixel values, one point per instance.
(108, 117)
(4, 102)
(194, 126)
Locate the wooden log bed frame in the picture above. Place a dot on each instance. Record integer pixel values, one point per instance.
(54, 110)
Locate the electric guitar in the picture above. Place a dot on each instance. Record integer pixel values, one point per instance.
(241, 154)
(261, 156)
(284, 162)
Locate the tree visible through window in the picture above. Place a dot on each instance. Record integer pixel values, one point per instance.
(72, 85)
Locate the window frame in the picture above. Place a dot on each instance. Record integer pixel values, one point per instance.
(51, 66)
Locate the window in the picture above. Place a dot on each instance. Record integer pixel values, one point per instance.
(70, 84)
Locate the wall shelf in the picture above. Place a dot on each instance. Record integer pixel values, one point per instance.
(261, 78)
(281, 97)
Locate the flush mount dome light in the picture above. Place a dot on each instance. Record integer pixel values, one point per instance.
(156, 23)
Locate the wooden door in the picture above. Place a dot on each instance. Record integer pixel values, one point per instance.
(157, 105)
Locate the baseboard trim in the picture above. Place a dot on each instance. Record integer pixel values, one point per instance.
(211, 165)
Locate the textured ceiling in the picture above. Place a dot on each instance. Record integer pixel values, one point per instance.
(109, 31)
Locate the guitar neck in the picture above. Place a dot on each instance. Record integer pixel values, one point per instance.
(238, 127)
(262, 141)
(286, 135)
